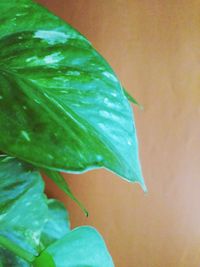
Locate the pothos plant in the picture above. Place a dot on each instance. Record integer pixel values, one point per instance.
(62, 109)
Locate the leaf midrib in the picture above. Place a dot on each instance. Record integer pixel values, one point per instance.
(106, 144)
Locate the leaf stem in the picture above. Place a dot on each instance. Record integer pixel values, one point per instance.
(63, 185)
(6, 243)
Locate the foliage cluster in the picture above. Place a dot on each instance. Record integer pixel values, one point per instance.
(62, 109)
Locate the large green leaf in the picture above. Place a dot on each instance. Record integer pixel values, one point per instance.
(62, 106)
(82, 247)
(23, 208)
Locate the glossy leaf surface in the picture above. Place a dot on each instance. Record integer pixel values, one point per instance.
(59, 98)
(23, 208)
(81, 247)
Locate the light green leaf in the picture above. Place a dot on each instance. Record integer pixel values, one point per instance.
(57, 225)
(62, 184)
(62, 106)
(82, 247)
(23, 208)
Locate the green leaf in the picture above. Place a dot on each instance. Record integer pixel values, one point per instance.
(23, 208)
(8, 259)
(62, 106)
(82, 247)
(57, 225)
(62, 184)
(131, 99)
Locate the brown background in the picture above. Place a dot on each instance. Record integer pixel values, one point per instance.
(154, 48)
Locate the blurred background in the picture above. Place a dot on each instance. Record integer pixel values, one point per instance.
(154, 47)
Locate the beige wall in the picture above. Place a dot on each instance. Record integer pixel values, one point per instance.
(154, 46)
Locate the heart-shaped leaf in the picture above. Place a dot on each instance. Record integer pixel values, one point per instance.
(81, 247)
(62, 106)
